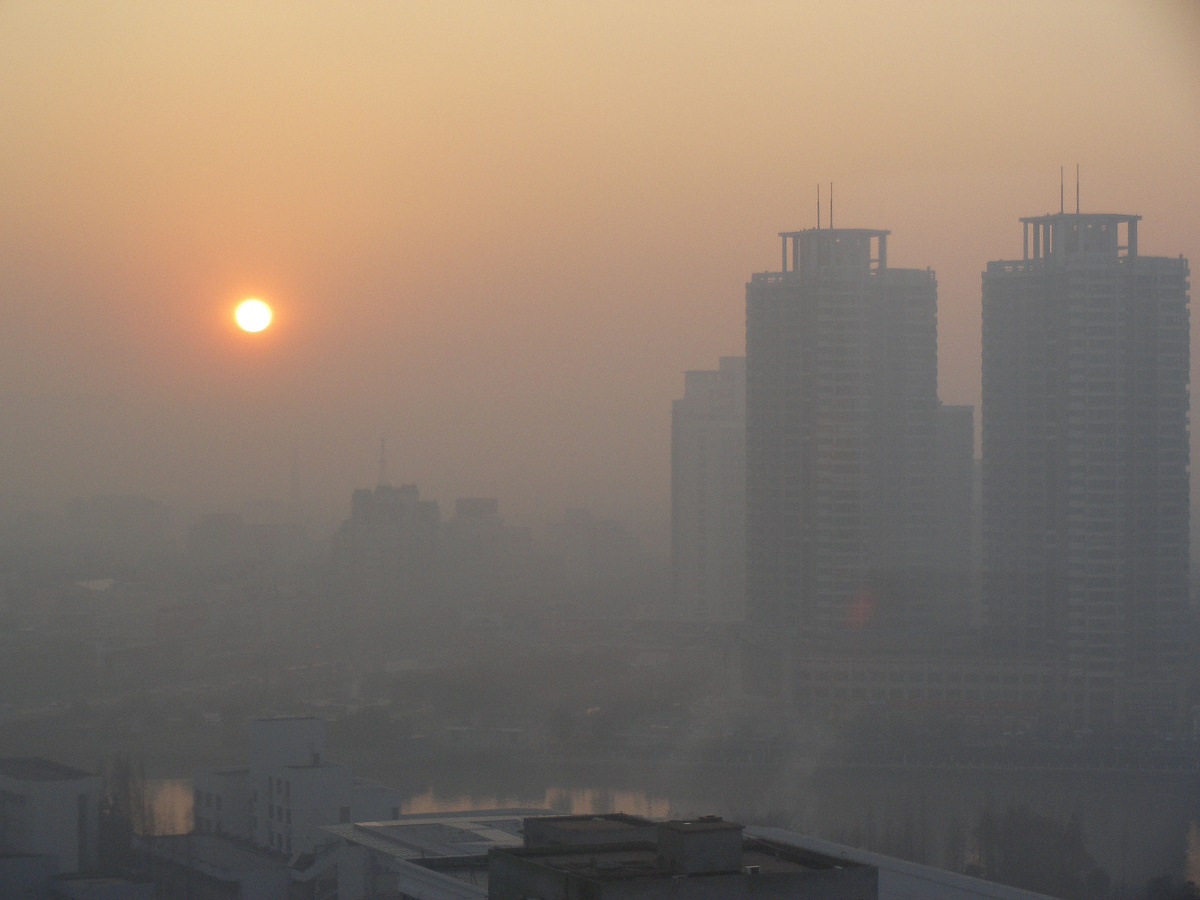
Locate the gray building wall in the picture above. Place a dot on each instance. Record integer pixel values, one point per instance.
(708, 494)
(841, 424)
(1085, 456)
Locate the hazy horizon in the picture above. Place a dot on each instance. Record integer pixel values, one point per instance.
(496, 236)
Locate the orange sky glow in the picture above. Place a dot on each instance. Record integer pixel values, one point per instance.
(498, 234)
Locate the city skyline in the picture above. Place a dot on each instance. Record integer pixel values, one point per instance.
(493, 236)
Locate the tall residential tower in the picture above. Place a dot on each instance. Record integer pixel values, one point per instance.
(1085, 456)
(841, 429)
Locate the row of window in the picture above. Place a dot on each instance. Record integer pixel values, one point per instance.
(819, 694)
(1027, 678)
(280, 841)
(206, 799)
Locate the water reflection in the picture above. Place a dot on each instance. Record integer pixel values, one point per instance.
(170, 805)
(576, 801)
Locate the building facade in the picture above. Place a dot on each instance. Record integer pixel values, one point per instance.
(1085, 458)
(515, 854)
(50, 809)
(289, 791)
(841, 428)
(387, 551)
(708, 494)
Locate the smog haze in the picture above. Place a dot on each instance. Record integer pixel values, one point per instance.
(496, 235)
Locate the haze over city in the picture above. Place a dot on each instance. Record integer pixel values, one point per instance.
(497, 235)
(750, 443)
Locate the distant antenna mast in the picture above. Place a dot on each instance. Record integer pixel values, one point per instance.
(1062, 196)
(831, 204)
(1076, 188)
(382, 462)
(818, 206)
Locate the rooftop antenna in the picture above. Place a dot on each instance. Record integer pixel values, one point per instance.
(831, 204)
(818, 206)
(382, 462)
(1076, 188)
(1061, 192)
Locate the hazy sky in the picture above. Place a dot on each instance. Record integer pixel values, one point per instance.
(498, 233)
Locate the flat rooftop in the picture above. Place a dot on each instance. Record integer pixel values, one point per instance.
(702, 824)
(439, 835)
(216, 855)
(607, 822)
(34, 768)
(641, 860)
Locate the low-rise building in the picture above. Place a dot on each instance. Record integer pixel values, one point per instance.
(288, 792)
(49, 809)
(701, 858)
(504, 854)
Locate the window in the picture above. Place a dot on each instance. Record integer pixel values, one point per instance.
(344, 814)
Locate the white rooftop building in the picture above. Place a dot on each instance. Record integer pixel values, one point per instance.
(502, 853)
(49, 809)
(288, 792)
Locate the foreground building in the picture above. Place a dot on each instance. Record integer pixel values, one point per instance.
(289, 791)
(702, 858)
(49, 810)
(512, 854)
(518, 853)
(1085, 464)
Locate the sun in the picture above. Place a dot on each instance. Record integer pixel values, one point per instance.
(253, 315)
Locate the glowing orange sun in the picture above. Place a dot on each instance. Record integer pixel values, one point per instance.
(253, 314)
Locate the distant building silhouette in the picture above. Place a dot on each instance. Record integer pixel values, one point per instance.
(396, 554)
(1085, 461)
(485, 562)
(226, 540)
(841, 439)
(389, 547)
(956, 557)
(708, 494)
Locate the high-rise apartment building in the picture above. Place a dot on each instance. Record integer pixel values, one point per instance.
(841, 430)
(1085, 455)
(956, 530)
(708, 494)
